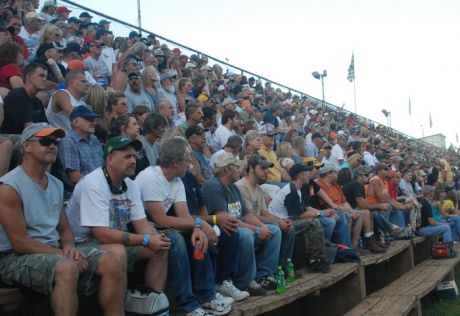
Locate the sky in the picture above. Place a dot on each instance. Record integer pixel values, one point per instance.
(402, 49)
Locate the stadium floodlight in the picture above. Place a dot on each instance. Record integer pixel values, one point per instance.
(388, 116)
(319, 76)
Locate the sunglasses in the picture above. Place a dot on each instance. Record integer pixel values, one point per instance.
(134, 63)
(386, 169)
(123, 103)
(199, 112)
(58, 35)
(46, 142)
(365, 174)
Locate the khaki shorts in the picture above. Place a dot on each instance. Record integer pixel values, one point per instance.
(16, 158)
(37, 271)
(132, 252)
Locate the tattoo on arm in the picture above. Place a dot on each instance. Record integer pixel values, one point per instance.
(125, 239)
(67, 241)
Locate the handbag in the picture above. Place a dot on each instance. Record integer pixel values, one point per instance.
(442, 250)
(143, 300)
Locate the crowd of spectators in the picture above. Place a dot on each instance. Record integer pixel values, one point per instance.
(158, 149)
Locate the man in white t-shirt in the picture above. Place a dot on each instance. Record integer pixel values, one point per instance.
(230, 119)
(106, 206)
(369, 158)
(30, 31)
(160, 200)
(337, 157)
(108, 54)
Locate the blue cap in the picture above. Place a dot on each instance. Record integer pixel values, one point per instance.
(134, 33)
(101, 32)
(167, 75)
(102, 22)
(82, 111)
(133, 56)
(74, 20)
(230, 73)
(354, 129)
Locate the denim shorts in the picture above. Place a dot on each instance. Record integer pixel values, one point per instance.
(131, 250)
(36, 271)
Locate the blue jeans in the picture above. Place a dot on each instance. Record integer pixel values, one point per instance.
(341, 232)
(328, 224)
(186, 273)
(437, 230)
(257, 258)
(454, 225)
(396, 217)
(228, 257)
(287, 247)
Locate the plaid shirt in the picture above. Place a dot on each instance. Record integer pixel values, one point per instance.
(77, 154)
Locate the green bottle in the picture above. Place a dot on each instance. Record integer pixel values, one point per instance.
(280, 285)
(290, 271)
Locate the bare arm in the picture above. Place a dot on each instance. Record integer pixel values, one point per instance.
(75, 175)
(156, 211)
(16, 82)
(61, 102)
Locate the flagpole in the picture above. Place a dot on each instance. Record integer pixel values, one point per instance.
(410, 113)
(354, 88)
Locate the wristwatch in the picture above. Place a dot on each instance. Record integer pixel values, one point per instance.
(319, 214)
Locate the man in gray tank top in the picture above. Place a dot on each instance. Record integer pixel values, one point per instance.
(37, 245)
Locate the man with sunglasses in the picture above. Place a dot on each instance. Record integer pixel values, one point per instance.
(37, 246)
(120, 80)
(80, 152)
(167, 89)
(96, 66)
(135, 93)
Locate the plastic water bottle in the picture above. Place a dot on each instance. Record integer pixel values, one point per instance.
(360, 242)
(409, 231)
(280, 285)
(290, 271)
(382, 239)
(387, 238)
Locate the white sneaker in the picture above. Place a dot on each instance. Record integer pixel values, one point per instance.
(227, 301)
(228, 289)
(216, 308)
(197, 312)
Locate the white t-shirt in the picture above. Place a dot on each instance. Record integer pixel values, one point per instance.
(370, 160)
(108, 57)
(154, 187)
(276, 206)
(93, 204)
(220, 137)
(31, 40)
(336, 155)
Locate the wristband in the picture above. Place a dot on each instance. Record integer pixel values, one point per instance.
(145, 243)
(1, 100)
(322, 214)
(321, 150)
(214, 219)
(257, 230)
(197, 222)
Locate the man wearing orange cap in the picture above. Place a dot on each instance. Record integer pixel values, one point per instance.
(37, 245)
(247, 111)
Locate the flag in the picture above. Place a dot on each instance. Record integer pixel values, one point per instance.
(431, 122)
(351, 69)
(410, 112)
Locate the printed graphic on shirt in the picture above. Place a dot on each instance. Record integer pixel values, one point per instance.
(100, 74)
(119, 211)
(234, 210)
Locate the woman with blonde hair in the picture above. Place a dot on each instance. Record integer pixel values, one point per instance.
(150, 78)
(96, 97)
(49, 33)
(184, 89)
(354, 161)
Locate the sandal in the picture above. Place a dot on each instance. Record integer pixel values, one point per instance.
(395, 229)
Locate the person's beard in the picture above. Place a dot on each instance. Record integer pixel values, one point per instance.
(170, 88)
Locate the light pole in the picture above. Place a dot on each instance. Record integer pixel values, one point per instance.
(319, 76)
(423, 133)
(388, 116)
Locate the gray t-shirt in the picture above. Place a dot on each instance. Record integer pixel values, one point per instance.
(163, 94)
(41, 207)
(219, 198)
(134, 99)
(98, 69)
(151, 151)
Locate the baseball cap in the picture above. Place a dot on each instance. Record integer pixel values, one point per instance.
(312, 162)
(34, 15)
(207, 67)
(361, 170)
(221, 87)
(245, 103)
(93, 26)
(62, 24)
(258, 109)
(251, 79)
(189, 65)
(62, 10)
(354, 130)
(102, 22)
(259, 160)
(74, 47)
(269, 131)
(316, 135)
(7, 28)
(284, 162)
(120, 142)
(94, 43)
(49, 3)
(230, 73)
(82, 111)
(72, 19)
(228, 159)
(134, 74)
(228, 101)
(176, 50)
(299, 168)
(195, 130)
(158, 52)
(76, 65)
(102, 31)
(234, 141)
(43, 48)
(85, 15)
(133, 34)
(41, 130)
(395, 173)
(328, 167)
(242, 95)
(183, 57)
(341, 137)
(166, 75)
(427, 189)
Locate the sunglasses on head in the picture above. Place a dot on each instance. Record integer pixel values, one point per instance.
(46, 142)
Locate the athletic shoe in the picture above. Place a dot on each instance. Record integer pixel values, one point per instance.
(268, 282)
(254, 289)
(318, 266)
(228, 289)
(215, 308)
(227, 301)
(197, 312)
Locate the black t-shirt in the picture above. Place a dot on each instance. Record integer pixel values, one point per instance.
(269, 118)
(20, 109)
(433, 176)
(353, 190)
(426, 212)
(309, 192)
